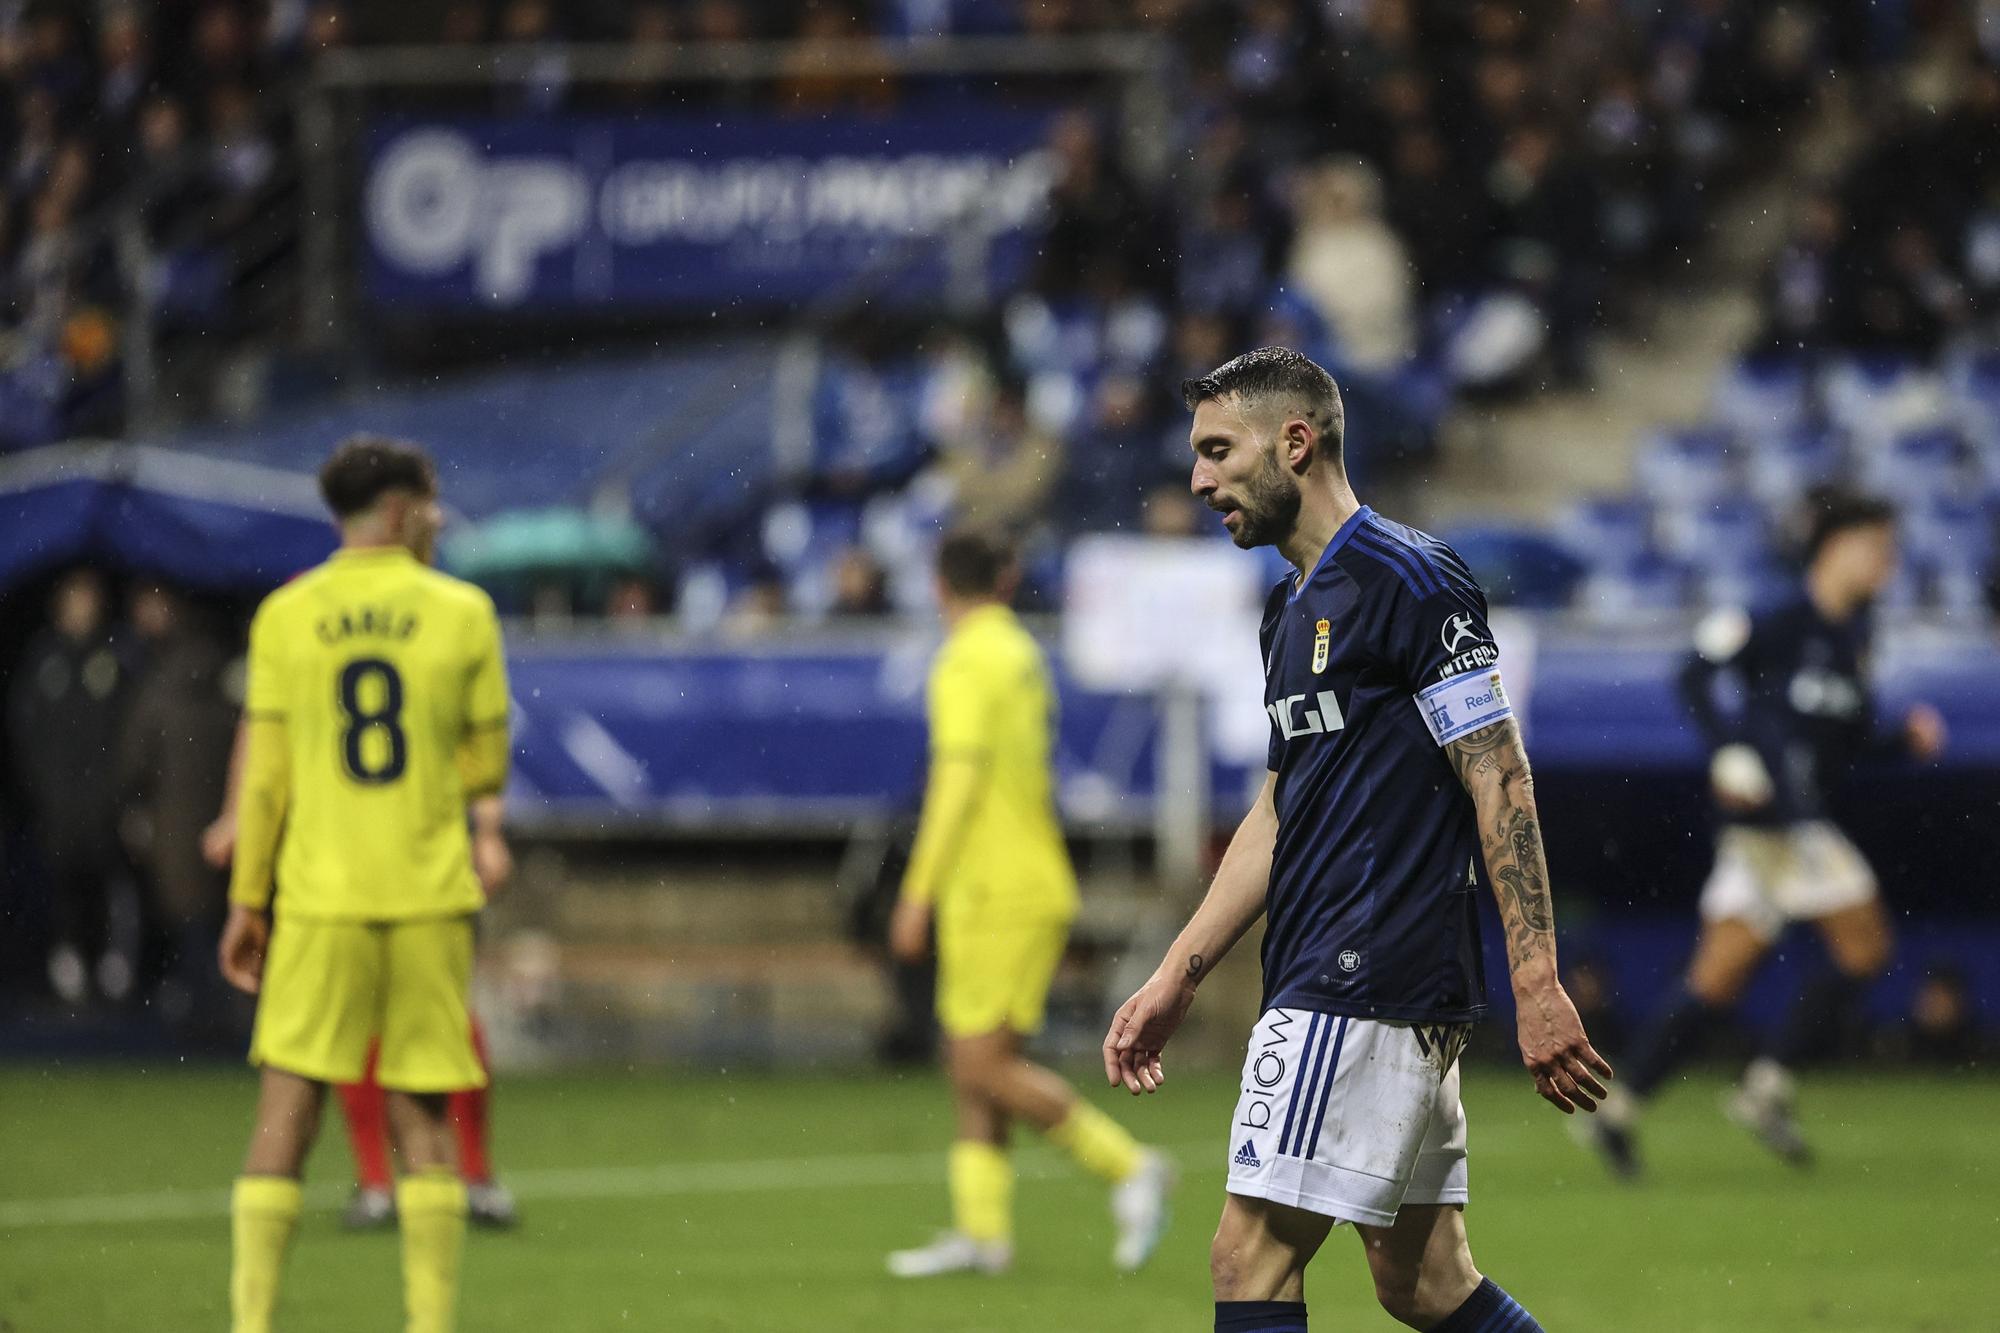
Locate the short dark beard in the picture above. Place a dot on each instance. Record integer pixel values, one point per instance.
(1269, 507)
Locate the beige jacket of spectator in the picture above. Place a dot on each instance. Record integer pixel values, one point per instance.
(1352, 267)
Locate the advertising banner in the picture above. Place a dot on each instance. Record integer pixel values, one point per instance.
(729, 209)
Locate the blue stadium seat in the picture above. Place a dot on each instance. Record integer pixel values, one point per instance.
(1639, 586)
(1608, 529)
(1949, 536)
(1919, 465)
(1762, 396)
(1729, 535)
(1521, 567)
(1689, 465)
(1782, 467)
(1873, 397)
(1973, 381)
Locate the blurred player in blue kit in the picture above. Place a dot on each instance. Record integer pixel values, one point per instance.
(1397, 775)
(1805, 717)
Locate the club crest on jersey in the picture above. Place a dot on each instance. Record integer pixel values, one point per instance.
(1322, 641)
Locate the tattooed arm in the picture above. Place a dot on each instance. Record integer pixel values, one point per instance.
(1234, 901)
(1493, 766)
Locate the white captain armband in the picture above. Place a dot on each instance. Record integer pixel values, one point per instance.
(1463, 704)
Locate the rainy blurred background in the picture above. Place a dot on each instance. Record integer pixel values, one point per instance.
(717, 313)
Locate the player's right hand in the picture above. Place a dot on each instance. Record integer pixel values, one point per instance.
(1139, 1031)
(1741, 782)
(244, 940)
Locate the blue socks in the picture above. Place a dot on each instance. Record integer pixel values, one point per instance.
(1673, 1037)
(1819, 1019)
(1487, 1310)
(1260, 1316)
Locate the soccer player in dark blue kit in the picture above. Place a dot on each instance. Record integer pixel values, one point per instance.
(1396, 775)
(1805, 717)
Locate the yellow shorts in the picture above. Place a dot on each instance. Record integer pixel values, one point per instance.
(996, 976)
(331, 988)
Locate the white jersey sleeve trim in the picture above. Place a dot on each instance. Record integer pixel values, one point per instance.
(1465, 703)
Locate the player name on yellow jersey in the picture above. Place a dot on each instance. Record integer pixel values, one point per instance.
(381, 671)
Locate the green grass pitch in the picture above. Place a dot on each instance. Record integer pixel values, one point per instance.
(663, 1202)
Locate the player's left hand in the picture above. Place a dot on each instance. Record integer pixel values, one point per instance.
(1924, 732)
(492, 861)
(244, 940)
(910, 931)
(218, 842)
(1566, 1067)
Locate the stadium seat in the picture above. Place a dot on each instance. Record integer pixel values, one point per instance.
(1634, 588)
(1520, 567)
(1919, 465)
(1763, 396)
(1729, 534)
(1609, 529)
(1783, 466)
(1874, 397)
(1689, 465)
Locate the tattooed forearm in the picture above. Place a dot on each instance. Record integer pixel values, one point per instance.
(1494, 768)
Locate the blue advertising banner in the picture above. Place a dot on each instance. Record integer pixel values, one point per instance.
(497, 214)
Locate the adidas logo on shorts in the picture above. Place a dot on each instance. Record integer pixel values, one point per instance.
(1247, 1154)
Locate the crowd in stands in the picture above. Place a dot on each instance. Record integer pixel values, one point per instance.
(147, 177)
(1434, 199)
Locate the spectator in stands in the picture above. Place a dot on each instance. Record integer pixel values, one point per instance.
(1799, 285)
(860, 586)
(1095, 212)
(463, 23)
(1429, 206)
(825, 71)
(1169, 512)
(759, 608)
(64, 710)
(719, 21)
(1222, 251)
(633, 600)
(1545, 208)
(55, 62)
(1113, 459)
(125, 74)
(169, 191)
(1351, 266)
(173, 760)
(1003, 466)
(534, 68)
(651, 30)
(1944, 1021)
(222, 50)
(37, 135)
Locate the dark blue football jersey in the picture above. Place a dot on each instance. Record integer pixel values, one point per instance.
(1380, 657)
(1804, 702)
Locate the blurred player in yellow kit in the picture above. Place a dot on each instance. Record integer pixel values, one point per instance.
(376, 710)
(990, 865)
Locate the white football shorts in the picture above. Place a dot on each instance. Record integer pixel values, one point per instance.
(1350, 1117)
(1767, 877)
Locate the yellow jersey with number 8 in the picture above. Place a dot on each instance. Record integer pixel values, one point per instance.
(379, 667)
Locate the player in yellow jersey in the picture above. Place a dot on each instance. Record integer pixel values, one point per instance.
(376, 709)
(991, 867)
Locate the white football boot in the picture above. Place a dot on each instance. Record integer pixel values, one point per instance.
(1139, 1207)
(953, 1252)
